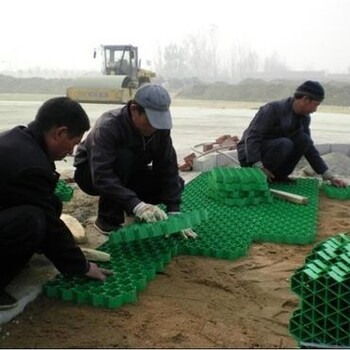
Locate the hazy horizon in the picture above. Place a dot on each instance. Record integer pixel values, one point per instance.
(61, 35)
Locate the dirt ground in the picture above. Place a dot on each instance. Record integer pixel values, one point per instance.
(195, 303)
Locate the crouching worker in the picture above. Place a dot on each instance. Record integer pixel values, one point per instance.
(279, 135)
(129, 161)
(29, 209)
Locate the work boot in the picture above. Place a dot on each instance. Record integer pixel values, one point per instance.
(105, 227)
(7, 301)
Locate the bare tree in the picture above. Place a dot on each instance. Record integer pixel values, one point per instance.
(274, 63)
(174, 59)
(247, 62)
(196, 56)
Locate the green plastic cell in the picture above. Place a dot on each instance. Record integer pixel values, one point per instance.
(51, 290)
(325, 295)
(64, 191)
(340, 193)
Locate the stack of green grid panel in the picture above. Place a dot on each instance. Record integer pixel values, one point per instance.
(238, 186)
(323, 286)
(64, 191)
(341, 193)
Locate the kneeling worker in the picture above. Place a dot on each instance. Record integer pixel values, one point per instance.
(129, 161)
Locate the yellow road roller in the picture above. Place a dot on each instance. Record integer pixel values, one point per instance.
(121, 76)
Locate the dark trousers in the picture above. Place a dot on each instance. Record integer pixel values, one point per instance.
(22, 231)
(281, 155)
(133, 174)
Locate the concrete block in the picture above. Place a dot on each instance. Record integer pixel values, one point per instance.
(342, 148)
(204, 163)
(323, 148)
(215, 159)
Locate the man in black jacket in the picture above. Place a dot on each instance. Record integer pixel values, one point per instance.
(279, 135)
(129, 161)
(29, 209)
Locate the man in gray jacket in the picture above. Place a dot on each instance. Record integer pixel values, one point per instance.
(129, 161)
(279, 135)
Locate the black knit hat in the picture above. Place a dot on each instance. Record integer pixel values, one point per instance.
(312, 89)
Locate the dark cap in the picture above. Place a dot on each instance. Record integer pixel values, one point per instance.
(312, 89)
(156, 102)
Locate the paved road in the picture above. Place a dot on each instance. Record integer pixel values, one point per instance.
(193, 125)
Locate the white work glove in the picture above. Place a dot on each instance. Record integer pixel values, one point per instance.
(187, 232)
(149, 213)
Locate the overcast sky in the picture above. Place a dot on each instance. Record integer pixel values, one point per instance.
(305, 34)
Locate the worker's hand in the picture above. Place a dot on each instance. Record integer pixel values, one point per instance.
(98, 273)
(149, 213)
(187, 232)
(337, 182)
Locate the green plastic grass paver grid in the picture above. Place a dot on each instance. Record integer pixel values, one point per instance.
(134, 265)
(173, 224)
(340, 193)
(64, 191)
(227, 234)
(278, 222)
(323, 286)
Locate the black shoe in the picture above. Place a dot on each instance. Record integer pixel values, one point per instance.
(105, 227)
(284, 180)
(7, 301)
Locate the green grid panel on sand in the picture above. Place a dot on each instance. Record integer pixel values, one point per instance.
(289, 222)
(323, 286)
(341, 193)
(134, 265)
(279, 221)
(64, 191)
(227, 234)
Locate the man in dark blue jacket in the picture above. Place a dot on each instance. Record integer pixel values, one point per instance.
(279, 135)
(29, 209)
(129, 161)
